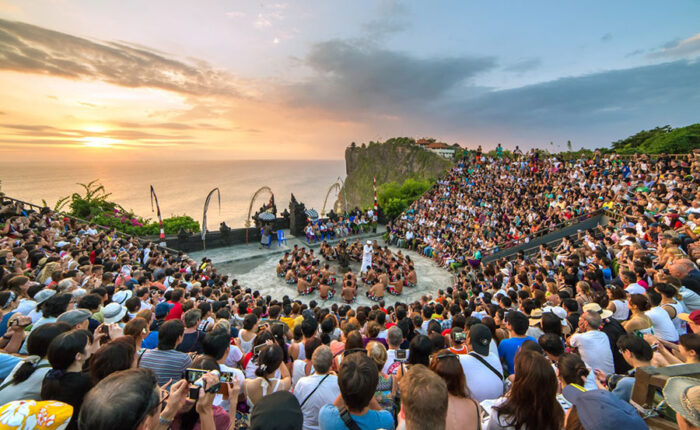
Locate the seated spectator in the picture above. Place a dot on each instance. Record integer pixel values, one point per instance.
(24, 381)
(426, 400)
(462, 409)
(278, 411)
(269, 362)
(482, 370)
(192, 337)
(531, 402)
(118, 354)
(357, 379)
(517, 324)
(167, 363)
(316, 390)
(66, 382)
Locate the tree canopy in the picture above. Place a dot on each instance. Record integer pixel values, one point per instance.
(661, 140)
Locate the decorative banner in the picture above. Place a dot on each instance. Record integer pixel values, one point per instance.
(204, 217)
(160, 218)
(374, 185)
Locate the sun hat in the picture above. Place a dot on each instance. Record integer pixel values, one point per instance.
(603, 410)
(122, 296)
(113, 312)
(559, 312)
(25, 414)
(595, 307)
(43, 295)
(74, 316)
(278, 411)
(535, 316)
(683, 396)
(369, 242)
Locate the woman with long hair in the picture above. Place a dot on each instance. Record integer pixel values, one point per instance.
(639, 322)
(419, 351)
(24, 381)
(462, 409)
(531, 402)
(66, 382)
(269, 362)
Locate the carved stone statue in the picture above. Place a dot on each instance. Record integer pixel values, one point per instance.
(297, 217)
(343, 256)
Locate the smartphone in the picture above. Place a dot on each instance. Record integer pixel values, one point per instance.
(401, 355)
(104, 329)
(258, 349)
(460, 337)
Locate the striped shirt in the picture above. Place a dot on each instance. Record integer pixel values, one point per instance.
(167, 365)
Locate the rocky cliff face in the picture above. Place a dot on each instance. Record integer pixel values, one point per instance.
(392, 161)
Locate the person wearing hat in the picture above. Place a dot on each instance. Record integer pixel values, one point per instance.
(593, 345)
(77, 318)
(113, 313)
(482, 368)
(367, 252)
(693, 320)
(613, 329)
(682, 394)
(122, 296)
(599, 410)
(535, 329)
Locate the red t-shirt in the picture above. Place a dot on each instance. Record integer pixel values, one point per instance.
(175, 313)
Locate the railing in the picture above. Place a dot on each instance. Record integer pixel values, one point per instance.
(38, 208)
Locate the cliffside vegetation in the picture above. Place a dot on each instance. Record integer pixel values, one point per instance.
(660, 140)
(393, 163)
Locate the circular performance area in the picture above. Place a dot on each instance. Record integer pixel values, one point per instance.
(261, 274)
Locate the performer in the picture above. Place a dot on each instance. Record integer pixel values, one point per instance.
(367, 257)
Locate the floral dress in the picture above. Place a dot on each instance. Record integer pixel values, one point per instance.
(383, 393)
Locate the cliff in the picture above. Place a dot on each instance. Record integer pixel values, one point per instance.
(395, 160)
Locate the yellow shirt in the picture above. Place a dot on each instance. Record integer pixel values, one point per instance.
(291, 322)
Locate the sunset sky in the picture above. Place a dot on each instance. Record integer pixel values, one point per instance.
(88, 80)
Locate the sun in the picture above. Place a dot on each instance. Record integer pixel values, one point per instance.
(98, 142)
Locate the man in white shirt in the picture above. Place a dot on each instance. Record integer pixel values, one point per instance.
(394, 338)
(593, 345)
(484, 382)
(317, 390)
(628, 279)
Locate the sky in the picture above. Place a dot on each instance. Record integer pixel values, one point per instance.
(95, 80)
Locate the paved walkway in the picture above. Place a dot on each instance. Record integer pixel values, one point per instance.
(253, 249)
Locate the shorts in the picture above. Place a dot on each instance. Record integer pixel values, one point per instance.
(409, 284)
(331, 293)
(292, 281)
(307, 291)
(373, 297)
(393, 291)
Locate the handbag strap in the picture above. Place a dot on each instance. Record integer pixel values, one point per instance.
(314, 390)
(347, 419)
(486, 363)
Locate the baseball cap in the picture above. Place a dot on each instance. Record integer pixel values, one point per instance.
(162, 309)
(683, 396)
(74, 316)
(559, 312)
(693, 317)
(603, 410)
(480, 338)
(277, 411)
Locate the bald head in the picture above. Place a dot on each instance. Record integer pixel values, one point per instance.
(681, 268)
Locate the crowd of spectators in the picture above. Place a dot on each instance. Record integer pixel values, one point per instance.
(104, 332)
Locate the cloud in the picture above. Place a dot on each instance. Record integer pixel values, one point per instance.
(636, 98)
(31, 49)
(607, 37)
(354, 76)
(236, 14)
(687, 48)
(127, 135)
(635, 53)
(391, 18)
(523, 65)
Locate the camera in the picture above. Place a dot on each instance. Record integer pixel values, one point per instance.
(401, 355)
(460, 337)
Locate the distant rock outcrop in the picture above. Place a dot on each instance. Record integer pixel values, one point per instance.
(395, 160)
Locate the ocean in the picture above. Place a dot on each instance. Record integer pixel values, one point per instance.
(181, 186)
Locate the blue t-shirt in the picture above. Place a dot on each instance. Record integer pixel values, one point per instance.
(151, 341)
(509, 347)
(7, 363)
(329, 419)
(5, 320)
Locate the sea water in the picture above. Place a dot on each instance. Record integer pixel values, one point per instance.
(181, 186)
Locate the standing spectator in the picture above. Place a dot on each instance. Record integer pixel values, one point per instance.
(316, 390)
(166, 362)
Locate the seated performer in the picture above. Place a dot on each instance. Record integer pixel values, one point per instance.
(348, 292)
(325, 291)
